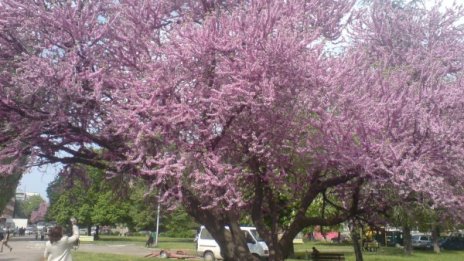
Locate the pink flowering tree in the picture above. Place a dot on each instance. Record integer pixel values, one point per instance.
(40, 213)
(409, 64)
(239, 107)
(408, 70)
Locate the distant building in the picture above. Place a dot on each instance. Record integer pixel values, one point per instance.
(8, 212)
(24, 195)
(20, 196)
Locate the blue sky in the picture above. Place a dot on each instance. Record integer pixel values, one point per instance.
(37, 179)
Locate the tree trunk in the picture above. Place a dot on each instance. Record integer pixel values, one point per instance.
(286, 242)
(97, 233)
(231, 241)
(291, 251)
(407, 240)
(356, 238)
(435, 236)
(275, 253)
(279, 249)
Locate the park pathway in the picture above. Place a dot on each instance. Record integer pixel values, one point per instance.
(24, 249)
(28, 249)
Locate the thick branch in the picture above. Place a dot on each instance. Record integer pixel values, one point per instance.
(74, 160)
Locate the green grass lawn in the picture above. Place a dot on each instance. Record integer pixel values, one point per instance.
(383, 254)
(85, 256)
(164, 242)
(420, 256)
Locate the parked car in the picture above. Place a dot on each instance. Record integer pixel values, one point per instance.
(40, 225)
(30, 230)
(83, 231)
(422, 241)
(209, 249)
(455, 242)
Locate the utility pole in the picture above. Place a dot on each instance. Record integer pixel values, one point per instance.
(157, 219)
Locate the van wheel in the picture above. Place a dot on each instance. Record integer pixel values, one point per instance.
(163, 254)
(209, 256)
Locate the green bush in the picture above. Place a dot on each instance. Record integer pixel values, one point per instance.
(188, 233)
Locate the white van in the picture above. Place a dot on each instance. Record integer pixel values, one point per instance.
(209, 249)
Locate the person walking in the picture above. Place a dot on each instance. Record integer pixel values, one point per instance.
(59, 246)
(43, 231)
(149, 242)
(4, 240)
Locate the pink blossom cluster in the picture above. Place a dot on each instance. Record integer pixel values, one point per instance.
(39, 214)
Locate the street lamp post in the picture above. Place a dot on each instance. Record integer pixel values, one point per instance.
(157, 220)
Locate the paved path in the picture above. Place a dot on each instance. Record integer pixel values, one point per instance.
(24, 249)
(29, 249)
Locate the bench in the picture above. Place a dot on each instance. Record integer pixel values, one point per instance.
(86, 238)
(326, 256)
(371, 246)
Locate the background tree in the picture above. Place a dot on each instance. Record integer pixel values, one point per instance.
(110, 210)
(419, 215)
(177, 223)
(8, 185)
(24, 208)
(84, 194)
(81, 192)
(40, 213)
(142, 206)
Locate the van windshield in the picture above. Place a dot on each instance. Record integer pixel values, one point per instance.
(256, 235)
(205, 234)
